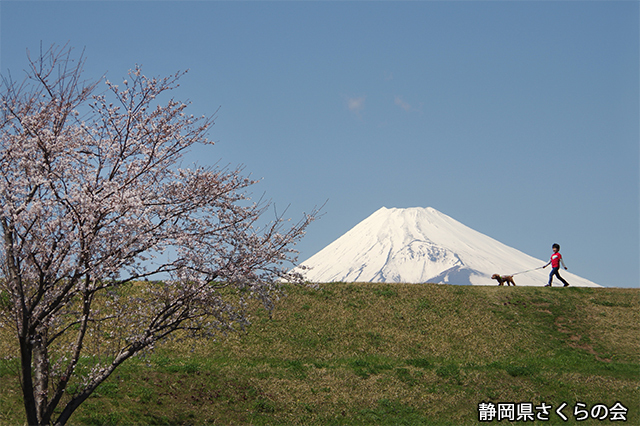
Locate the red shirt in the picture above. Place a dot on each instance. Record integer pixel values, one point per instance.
(555, 260)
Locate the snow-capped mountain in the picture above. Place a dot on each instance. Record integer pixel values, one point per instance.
(420, 245)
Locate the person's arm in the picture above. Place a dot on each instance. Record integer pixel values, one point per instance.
(548, 263)
(562, 261)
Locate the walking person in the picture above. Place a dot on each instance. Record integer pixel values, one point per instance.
(556, 259)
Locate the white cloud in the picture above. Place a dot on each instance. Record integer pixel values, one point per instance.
(402, 104)
(356, 104)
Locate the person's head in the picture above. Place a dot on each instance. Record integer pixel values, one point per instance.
(556, 247)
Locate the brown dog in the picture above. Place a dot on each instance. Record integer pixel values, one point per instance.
(503, 279)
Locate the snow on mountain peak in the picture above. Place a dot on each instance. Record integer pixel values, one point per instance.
(417, 245)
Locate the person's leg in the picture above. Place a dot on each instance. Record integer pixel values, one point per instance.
(560, 278)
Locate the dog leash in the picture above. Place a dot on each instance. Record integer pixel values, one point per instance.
(528, 270)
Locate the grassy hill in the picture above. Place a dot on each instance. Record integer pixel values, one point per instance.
(356, 354)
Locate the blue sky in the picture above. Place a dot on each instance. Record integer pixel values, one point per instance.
(518, 119)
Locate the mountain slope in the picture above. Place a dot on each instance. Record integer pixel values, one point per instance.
(418, 245)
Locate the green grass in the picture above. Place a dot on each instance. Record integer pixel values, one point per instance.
(369, 354)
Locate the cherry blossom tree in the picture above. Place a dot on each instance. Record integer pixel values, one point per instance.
(93, 203)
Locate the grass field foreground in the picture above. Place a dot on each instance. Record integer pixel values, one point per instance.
(396, 354)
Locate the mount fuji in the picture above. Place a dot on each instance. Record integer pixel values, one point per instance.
(422, 245)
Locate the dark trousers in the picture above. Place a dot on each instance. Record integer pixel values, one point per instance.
(555, 272)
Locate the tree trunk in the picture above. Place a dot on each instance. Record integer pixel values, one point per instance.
(41, 376)
(26, 356)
